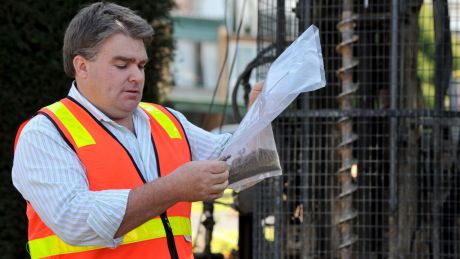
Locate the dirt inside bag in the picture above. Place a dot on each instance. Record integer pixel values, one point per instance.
(257, 162)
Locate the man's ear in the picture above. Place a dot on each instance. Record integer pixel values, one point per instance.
(80, 65)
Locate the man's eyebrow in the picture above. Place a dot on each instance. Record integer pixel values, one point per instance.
(131, 60)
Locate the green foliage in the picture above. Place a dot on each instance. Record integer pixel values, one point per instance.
(426, 53)
(32, 76)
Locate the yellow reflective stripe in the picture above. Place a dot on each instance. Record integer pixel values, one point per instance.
(78, 132)
(152, 229)
(53, 245)
(163, 119)
(180, 226)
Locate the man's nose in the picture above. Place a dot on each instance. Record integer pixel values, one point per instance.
(136, 74)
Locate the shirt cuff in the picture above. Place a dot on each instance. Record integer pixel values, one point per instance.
(107, 213)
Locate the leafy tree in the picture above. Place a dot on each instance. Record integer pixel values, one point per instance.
(31, 35)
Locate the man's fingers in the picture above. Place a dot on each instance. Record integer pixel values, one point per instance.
(258, 86)
(216, 196)
(219, 167)
(218, 188)
(221, 177)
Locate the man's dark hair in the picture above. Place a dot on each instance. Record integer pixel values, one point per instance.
(94, 24)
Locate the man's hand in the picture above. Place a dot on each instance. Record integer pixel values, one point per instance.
(200, 180)
(193, 181)
(255, 91)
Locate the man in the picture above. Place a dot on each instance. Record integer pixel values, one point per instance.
(106, 176)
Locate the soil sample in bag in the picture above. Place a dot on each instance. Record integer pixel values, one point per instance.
(256, 162)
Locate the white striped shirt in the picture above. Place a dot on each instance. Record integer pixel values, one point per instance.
(50, 176)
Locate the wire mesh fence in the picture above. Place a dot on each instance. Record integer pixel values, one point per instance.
(371, 161)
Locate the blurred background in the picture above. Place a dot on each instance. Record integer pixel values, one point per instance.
(370, 162)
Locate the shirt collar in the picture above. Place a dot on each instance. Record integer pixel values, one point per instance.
(98, 114)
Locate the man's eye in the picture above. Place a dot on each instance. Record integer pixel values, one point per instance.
(121, 66)
(141, 67)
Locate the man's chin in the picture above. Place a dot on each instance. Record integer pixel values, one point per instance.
(131, 108)
(127, 108)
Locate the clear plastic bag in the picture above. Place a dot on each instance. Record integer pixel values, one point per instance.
(252, 149)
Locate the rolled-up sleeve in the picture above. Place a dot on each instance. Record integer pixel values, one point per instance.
(48, 174)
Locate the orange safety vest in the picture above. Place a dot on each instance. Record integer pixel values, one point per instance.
(109, 166)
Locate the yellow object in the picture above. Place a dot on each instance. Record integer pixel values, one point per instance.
(53, 245)
(162, 119)
(79, 133)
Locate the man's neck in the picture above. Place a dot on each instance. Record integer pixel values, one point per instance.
(126, 122)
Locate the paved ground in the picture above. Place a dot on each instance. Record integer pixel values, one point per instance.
(225, 234)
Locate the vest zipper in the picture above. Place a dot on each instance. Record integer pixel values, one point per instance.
(169, 236)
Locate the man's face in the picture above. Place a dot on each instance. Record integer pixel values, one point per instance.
(115, 79)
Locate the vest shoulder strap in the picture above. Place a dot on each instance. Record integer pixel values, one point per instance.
(158, 113)
(76, 131)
